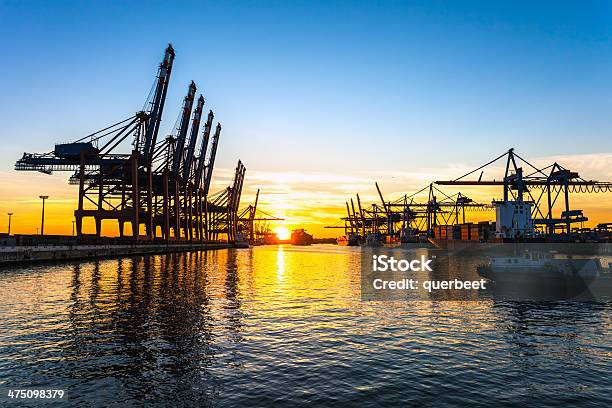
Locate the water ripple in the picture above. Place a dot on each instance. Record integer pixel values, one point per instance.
(284, 326)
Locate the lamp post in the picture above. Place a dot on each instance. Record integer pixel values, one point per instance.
(42, 222)
(73, 228)
(9, 226)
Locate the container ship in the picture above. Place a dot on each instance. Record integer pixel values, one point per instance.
(300, 237)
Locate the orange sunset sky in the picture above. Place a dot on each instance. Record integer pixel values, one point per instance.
(308, 200)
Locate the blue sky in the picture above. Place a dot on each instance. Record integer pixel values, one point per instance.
(335, 87)
(323, 85)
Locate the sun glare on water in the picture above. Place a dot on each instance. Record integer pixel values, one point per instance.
(282, 233)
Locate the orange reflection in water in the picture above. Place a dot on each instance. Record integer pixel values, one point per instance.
(276, 318)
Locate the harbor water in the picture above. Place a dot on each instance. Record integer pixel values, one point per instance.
(285, 326)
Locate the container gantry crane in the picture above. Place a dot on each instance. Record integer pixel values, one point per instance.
(249, 215)
(519, 190)
(404, 218)
(160, 184)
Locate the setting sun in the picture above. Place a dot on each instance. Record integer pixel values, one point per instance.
(282, 233)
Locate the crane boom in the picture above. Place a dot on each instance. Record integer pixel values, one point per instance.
(211, 161)
(348, 211)
(159, 99)
(203, 148)
(255, 205)
(362, 216)
(182, 133)
(239, 192)
(382, 200)
(193, 137)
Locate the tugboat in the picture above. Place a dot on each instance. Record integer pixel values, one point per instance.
(351, 240)
(539, 265)
(537, 276)
(300, 237)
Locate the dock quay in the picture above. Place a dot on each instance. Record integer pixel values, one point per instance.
(43, 253)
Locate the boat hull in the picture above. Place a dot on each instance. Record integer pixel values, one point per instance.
(347, 241)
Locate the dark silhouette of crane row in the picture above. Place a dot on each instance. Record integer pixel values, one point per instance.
(161, 184)
(539, 190)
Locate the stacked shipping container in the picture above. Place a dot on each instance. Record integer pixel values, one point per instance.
(483, 231)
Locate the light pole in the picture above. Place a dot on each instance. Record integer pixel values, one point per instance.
(42, 222)
(9, 226)
(73, 228)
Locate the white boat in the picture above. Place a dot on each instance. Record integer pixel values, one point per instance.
(539, 265)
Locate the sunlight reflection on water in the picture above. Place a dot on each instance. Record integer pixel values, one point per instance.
(285, 325)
